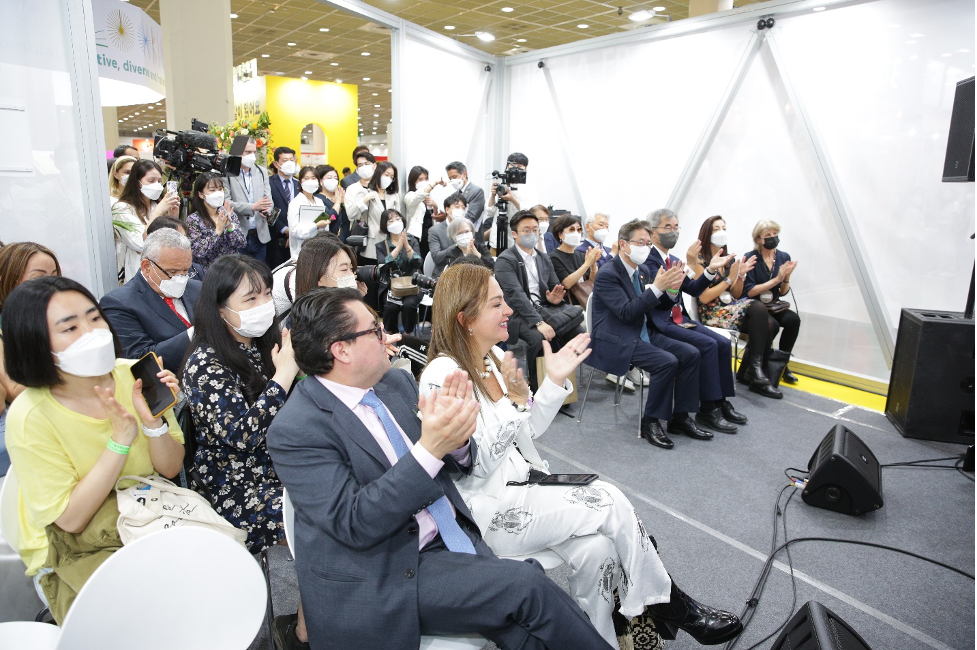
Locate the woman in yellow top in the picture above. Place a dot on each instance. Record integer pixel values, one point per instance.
(82, 421)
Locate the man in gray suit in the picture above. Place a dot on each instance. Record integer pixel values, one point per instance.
(251, 200)
(474, 195)
(385, 548)
(439, 244)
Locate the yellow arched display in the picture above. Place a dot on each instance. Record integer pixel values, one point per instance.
(293, 103)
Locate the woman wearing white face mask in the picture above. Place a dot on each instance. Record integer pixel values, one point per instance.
(462, 233)
(332, 195)
(574, 268)
(212, 227)
(400, 252)
(300, 226)
(118, 176)
(366, 203)
(141, 201)
(80, 425)
(236, 376)
(419, 208)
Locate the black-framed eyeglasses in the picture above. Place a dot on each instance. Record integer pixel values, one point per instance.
(376, 330)
(191, 272)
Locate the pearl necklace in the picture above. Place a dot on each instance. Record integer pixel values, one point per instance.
(488, 368)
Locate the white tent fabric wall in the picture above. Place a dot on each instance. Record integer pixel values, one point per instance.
(442, 100)
(883, 119)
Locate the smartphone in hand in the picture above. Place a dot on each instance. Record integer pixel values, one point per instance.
(158, 395)
(172, 187)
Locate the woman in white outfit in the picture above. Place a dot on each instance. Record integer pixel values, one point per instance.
(299, 232)
(136, 207)
(366, 202)
(594, 527)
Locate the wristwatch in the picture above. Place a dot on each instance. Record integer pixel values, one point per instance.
(156, 433)
(728, 280)
(539, 323)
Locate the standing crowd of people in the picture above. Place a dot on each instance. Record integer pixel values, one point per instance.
(274, 307)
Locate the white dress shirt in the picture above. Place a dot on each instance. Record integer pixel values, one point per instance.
(529, 259)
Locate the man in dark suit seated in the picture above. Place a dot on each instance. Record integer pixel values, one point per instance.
(528, 279)
(671, 319)
(154, 310)
(385, 548)
(438, 242)
(625, 294)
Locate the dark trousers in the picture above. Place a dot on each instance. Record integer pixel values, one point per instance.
(513, 604)
(674, 370)
(791, 323)
(255, 248)
(521, 330)
(406, 307)
(715, 360)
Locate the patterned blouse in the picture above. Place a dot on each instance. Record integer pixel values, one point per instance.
(207, 244)
(232, 458)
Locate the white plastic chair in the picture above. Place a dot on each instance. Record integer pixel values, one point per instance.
(692, 306)
(429, 265)
(35, 636)
(549, 559)
(10, 508)
(184, 587)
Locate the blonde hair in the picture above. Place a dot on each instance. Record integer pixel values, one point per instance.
(114, 188)
(760, 226)
(461, 289)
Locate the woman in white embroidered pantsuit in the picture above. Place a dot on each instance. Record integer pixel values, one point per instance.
(593, 527)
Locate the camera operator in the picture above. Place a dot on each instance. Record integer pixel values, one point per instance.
(513, 198)
(250, 194)
(400, 252)
(137, 206)
(462, 233)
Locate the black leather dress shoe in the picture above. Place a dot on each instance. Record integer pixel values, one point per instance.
(684, 424)
(732, 414)
(766, 391)
(651, 430)
(788, 376)
(714, 420)
(707, 625)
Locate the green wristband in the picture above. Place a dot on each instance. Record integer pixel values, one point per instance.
(116, 447)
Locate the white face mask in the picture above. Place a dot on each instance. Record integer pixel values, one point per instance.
(639, 254)
(310, 185)
(345, 282)
(214, 199)
(543, 226)
(719, 238)
(124, 179)
(288, 168)
(175, 286)
(91, 355)
(248, 160)
(457, 183)
(365, 171)
(600, 235)
(571, 238)
(330, 184)
(422, 186)
(256, 320)
(457, 213)
(385, 182)
(152, 191)
(464, 239)
(395, 227)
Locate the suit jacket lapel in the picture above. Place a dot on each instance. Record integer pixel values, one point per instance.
(347, 421)
(541, 275)
(628, 282)
(156, 303)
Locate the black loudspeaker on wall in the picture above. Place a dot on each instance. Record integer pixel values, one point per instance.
(844, 475)
(815, 627)
(958, 166)
(931, 388)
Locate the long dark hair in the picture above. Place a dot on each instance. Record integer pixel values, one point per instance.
(132, 194)
(27, 353)
(198, 204)
(705, 238)
(210, 329)
(314, 258)
(412, 176)
(383, 166)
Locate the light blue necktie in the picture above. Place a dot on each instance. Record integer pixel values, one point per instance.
(452, 535)
(644, 325)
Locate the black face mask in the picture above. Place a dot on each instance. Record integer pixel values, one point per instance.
(770, 243)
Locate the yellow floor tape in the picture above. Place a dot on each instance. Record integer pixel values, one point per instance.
(836, 391)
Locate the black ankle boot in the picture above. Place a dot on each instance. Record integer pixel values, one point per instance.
(707, 625)
(755, 374)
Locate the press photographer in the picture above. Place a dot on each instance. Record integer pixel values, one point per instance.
(505, 200)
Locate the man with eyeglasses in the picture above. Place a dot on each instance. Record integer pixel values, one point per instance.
(672, 320)
(154, 310)
(385, 548)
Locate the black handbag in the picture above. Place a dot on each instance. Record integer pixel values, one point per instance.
(563, 318)
(777, 306)
(776, 362)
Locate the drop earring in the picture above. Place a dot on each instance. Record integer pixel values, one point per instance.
(471, 332)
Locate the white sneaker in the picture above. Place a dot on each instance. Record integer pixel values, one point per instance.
(628, 386)
(637, 375)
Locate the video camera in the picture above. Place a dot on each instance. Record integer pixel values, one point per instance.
(511, 176)
(195, 151)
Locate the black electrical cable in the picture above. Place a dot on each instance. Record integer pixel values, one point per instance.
(959, 467)
(917, 462)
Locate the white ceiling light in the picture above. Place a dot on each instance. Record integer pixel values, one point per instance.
(233, 15)
(366, 78)
(449, 27)
(376, 105)
(658, 8)
(507, 9)
(308, 72)
(265, 56)
(638, 16)
(364, 54)
(323, 29)
(333, 63)
(120, 121)
(291, 44)
(583, 26)
(305, 78)
(375, 94)
(485, 36)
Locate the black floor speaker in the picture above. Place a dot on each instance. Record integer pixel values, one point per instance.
(815, 627)
(931, 387)
(844, 475)
(958, 166)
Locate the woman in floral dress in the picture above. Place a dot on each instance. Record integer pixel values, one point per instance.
(213, 226)
(237, 375)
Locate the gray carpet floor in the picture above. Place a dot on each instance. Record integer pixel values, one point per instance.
(710, 505)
